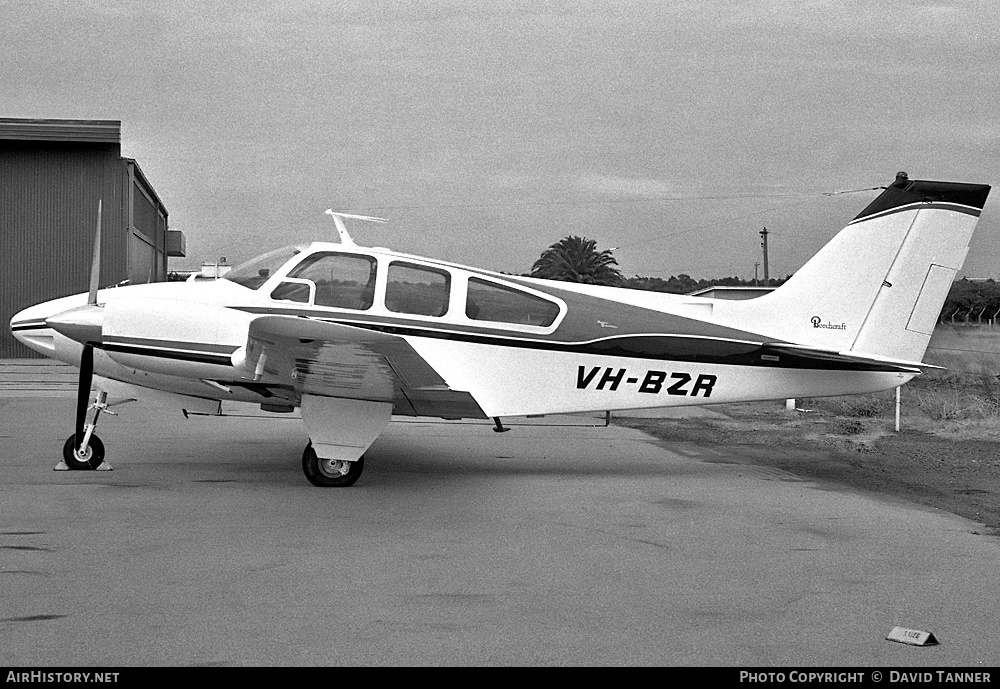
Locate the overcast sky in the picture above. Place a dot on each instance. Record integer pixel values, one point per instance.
(487, 130)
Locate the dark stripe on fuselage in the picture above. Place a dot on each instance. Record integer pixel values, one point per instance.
(180, 345)
(28, 325)
(652, 347)
(647, 346)
(177, 355)
(920, 206)
(660, 348)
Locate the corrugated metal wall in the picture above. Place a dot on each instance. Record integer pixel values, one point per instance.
(48, 213)
(148, 230)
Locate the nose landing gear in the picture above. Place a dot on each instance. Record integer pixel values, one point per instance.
(85, 451)
(81, 459)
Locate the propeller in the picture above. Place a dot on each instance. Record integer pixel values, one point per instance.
(85, 324)
(87, 358)
(95, 265)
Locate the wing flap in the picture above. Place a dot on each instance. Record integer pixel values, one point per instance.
(336, 360)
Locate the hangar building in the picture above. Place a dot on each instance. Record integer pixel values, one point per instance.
(52, 175)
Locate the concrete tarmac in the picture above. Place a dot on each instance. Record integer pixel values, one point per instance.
(547, 545)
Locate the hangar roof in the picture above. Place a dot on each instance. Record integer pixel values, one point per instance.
(93, 131)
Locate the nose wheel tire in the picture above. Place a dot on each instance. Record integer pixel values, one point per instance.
(91, 459)
(330, 473)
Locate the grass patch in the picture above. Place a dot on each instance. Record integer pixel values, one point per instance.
(947, 454)
(938, 402)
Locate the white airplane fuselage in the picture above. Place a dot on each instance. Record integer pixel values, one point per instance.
(174, 337)
(351, 335)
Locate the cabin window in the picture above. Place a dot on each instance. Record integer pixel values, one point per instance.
(488, 301)
(344, 281)
(417, 290)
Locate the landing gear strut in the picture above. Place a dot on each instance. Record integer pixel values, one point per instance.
(85, 450)
(330, 473)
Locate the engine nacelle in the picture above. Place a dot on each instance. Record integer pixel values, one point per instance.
(178, 338)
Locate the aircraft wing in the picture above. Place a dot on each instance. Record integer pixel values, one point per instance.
(813, 357)
(319, 357)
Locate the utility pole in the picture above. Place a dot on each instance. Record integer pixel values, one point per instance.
(763, 234)
(755, 267)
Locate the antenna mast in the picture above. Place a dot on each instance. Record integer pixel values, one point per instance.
(763, 234)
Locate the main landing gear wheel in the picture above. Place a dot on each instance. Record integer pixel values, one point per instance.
(91, 459)
(330, 473)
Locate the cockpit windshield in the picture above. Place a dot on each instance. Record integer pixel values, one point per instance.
(256, 271)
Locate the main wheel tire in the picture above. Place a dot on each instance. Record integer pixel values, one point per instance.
(92, 459)
(330, 473)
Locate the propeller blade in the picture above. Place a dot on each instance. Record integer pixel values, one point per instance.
(83, 391)
(95, 266)
(87, 356)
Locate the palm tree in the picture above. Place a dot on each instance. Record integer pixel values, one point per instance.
(576, 259)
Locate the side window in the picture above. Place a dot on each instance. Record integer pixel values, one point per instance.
(488, 301)
(345, 281)
(417, 290)
(301, 291)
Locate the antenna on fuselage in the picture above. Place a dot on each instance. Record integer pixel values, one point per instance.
(338, 220)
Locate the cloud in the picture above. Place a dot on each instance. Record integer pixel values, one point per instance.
(955, 20)
(630, 187)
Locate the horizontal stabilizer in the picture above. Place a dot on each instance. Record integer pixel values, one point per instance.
(849, 360)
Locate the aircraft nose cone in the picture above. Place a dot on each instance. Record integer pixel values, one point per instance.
(83, 324)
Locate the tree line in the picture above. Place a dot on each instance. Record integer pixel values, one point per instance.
(577, 259)
(685, 284)
(972, 301)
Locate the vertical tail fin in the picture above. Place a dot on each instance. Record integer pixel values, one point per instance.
(878, 286)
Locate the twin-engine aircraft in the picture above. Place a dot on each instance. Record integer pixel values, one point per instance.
(352, 335)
